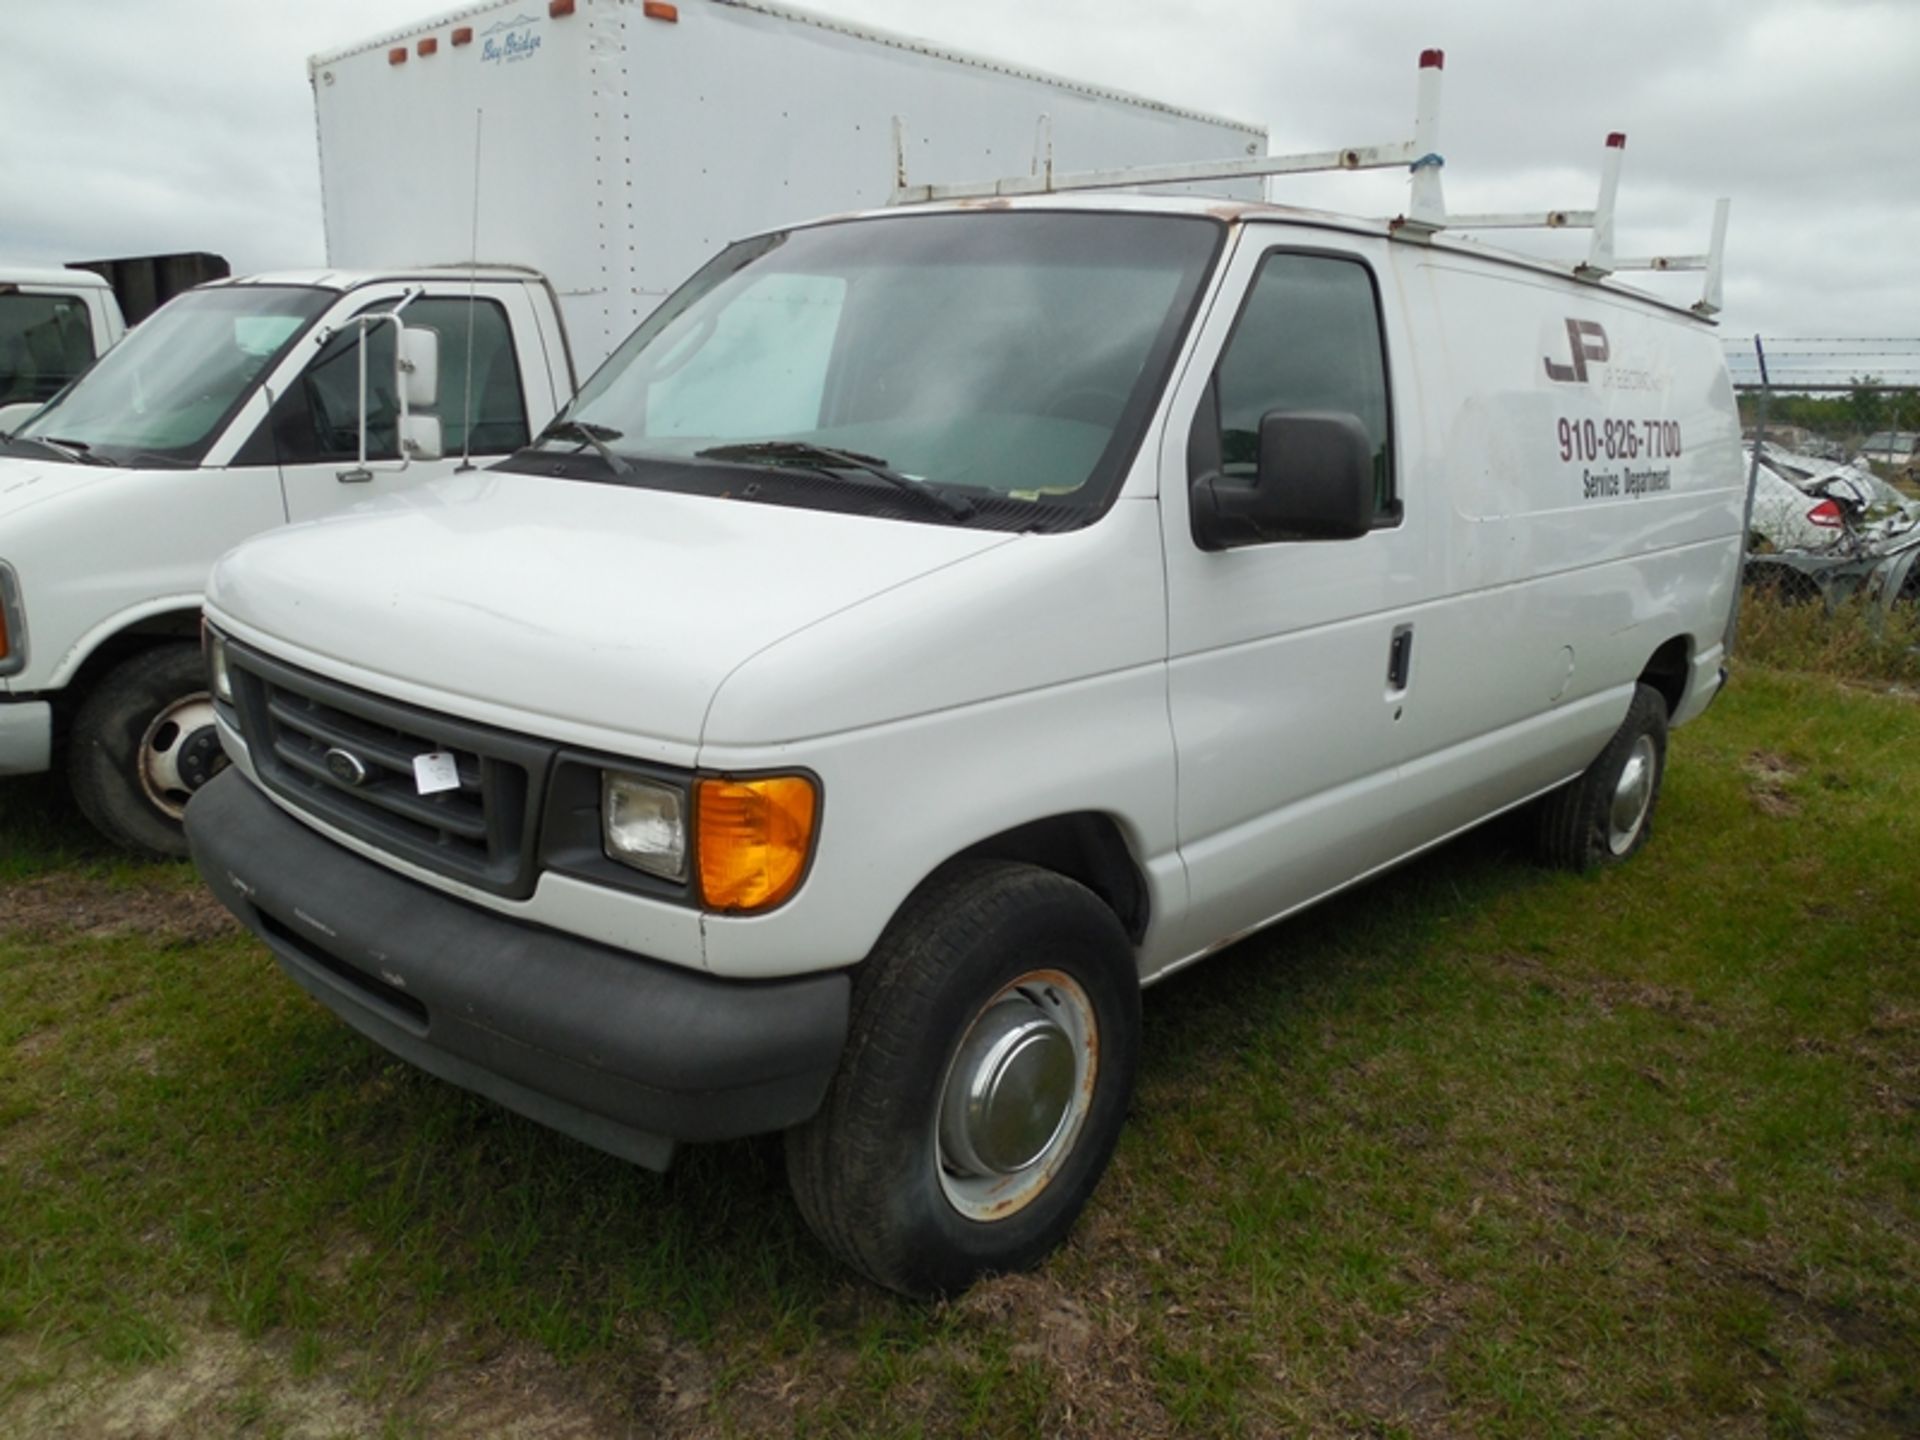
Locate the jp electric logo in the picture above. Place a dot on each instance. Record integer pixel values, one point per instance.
(1588, 343)
(510, 41)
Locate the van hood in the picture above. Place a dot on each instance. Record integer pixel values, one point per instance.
(597, 609)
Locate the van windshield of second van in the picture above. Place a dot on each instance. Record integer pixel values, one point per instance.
(1010, 360)
(162, 394)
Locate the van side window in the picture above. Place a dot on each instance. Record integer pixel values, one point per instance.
(1308, 338)
(317, 420)
(45, 340)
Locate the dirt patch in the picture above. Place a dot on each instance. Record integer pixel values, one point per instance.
(217, 1383)
(1890, 689)
(522, 1393)
(1769, 777)
(1095, 1365)
(1395, 1383)
(212, 1381)
(1606, 994)
(67, 906)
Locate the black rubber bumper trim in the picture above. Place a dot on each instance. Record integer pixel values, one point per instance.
(625, 1053)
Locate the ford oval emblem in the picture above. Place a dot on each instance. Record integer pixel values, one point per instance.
(346, 767)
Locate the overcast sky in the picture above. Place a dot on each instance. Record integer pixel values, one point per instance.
(136, 127)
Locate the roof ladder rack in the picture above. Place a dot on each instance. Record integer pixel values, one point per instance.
(1426, 206)
(1045, 180)
(1602, 262)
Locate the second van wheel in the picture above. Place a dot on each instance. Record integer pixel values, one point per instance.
(142, 743)
(988, 1067)
(1605, 815)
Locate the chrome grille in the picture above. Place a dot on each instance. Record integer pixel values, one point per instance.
(295, 722)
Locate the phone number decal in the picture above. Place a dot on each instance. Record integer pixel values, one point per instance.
(1619, 439)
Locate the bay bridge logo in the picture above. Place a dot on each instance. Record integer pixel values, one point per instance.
(510, 41)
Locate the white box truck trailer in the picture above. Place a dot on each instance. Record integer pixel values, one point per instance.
(615, 144)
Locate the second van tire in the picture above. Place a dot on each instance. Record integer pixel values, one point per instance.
(131, 792)
(1605, 815)
(986, 955)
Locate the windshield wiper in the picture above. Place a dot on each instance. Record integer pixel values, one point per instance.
(75, 450)
(824, 459)
(587, 434)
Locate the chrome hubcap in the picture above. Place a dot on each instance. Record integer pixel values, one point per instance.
(179, 753)
(1016, 1094)
(1632, 796)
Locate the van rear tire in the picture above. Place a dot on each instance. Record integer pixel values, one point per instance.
(995, 980)
(1605, 816)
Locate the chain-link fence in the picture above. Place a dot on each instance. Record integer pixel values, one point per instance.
(1835, 397)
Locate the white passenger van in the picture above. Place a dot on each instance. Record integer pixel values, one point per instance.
(965, 615)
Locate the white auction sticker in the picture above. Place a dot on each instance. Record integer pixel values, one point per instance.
(435, 772)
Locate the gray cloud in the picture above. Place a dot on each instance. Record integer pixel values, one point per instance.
(138, 127)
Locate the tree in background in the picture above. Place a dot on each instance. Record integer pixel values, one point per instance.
(1865, 405)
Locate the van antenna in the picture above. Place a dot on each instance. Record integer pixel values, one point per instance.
(473, 276)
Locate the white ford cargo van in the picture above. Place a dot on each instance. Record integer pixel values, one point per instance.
(962, 616)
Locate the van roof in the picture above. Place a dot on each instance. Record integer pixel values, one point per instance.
(1237, 211)
(11, 274)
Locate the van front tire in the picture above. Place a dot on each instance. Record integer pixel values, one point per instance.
(141, 743)
(1605, 816)
(989, 1064)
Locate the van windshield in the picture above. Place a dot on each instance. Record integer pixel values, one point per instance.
(162, 394)
(1006, 361)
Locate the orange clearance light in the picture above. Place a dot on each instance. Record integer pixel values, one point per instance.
(659, 10)
(557, 8)
(6, 640)
(428, 46)
(463, 35)
(754, 837)
(397, 55)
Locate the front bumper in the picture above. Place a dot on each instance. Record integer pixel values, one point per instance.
(626, 1054)
(26, 737)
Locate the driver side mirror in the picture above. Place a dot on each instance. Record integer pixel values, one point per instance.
(418, 365)
(1313, 480)
(416, 381)
(12, 417)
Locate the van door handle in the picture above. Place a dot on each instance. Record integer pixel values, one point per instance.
(1399, 659)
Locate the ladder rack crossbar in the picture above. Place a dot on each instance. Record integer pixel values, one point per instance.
(1665, 262)
(1359, 157)
(1534, 220)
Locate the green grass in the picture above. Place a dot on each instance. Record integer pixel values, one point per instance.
(1476, 1149)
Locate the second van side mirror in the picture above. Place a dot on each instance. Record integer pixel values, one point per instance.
(1313, 481)
(419, 366)
(416, 383)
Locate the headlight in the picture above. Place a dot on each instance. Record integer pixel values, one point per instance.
(218, 679)
(644, 824)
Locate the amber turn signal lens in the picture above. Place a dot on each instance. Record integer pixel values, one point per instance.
(754, 836)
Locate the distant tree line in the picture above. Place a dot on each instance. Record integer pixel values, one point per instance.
(1848, 417)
